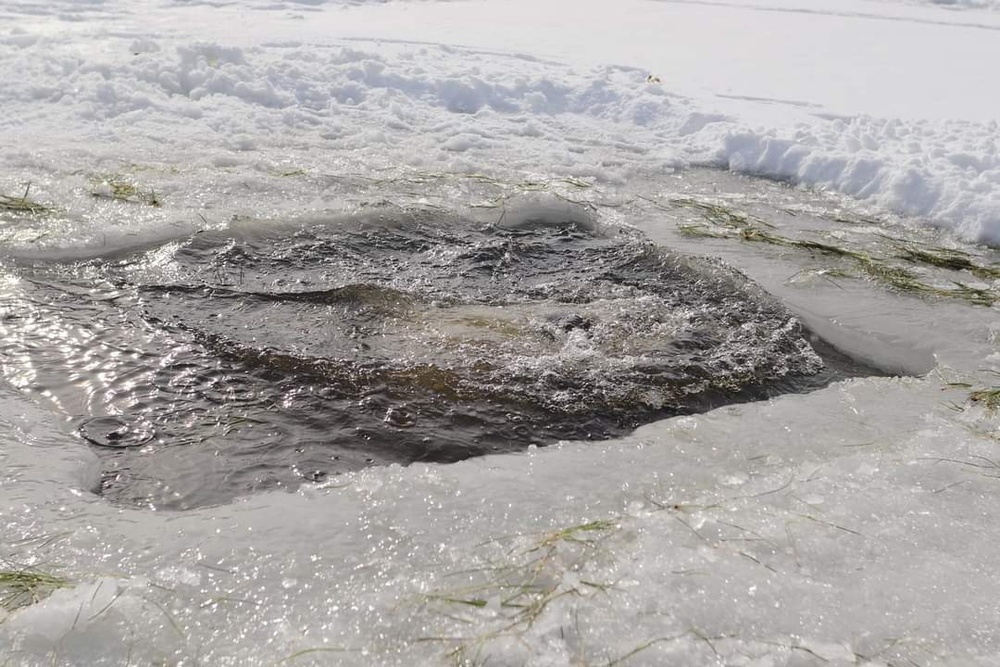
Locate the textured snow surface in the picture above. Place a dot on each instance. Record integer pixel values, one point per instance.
(891, 103)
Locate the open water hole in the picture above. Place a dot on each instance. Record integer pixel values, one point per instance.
(205, 368)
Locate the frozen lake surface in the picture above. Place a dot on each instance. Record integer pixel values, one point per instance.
(150, 141)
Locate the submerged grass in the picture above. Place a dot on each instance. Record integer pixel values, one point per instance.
(513, 597)
(946, 258)
(721, 222)
(23, 587)
(722, 216)
(989, 398)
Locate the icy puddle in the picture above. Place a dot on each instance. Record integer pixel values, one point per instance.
(269, 354)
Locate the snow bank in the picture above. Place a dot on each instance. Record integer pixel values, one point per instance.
(948, 173)
(420, 103)
(83, 97)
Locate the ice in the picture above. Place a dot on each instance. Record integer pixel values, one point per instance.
(853, 525)
(751, 568)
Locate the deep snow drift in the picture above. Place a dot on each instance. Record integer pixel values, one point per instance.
(852, 525)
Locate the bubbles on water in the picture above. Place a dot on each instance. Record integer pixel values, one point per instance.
(400, 417)
(116, 432)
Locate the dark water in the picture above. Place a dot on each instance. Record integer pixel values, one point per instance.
(207, 368)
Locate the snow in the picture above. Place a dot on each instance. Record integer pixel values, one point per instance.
(850, 98)
(854, 525)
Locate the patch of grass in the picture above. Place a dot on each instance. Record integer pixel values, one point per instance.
(511, 598)
(724, 216)
(23, 587)
(578, 533)
(22, 204)
(122, 189)
(946, 258)
(988, 398)
(943, 258)
(702, 231)
(724, 223)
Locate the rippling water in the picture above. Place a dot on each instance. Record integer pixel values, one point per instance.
(207, 367)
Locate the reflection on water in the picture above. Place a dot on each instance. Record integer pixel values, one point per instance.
(205, 369)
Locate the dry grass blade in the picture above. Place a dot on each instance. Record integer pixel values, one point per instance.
(512, 597)
(575, 533)
(123, 190)
(314, 652)
(21, 204)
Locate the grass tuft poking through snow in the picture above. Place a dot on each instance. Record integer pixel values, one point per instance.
(119, 188)
(22, 204)
(989, 397)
